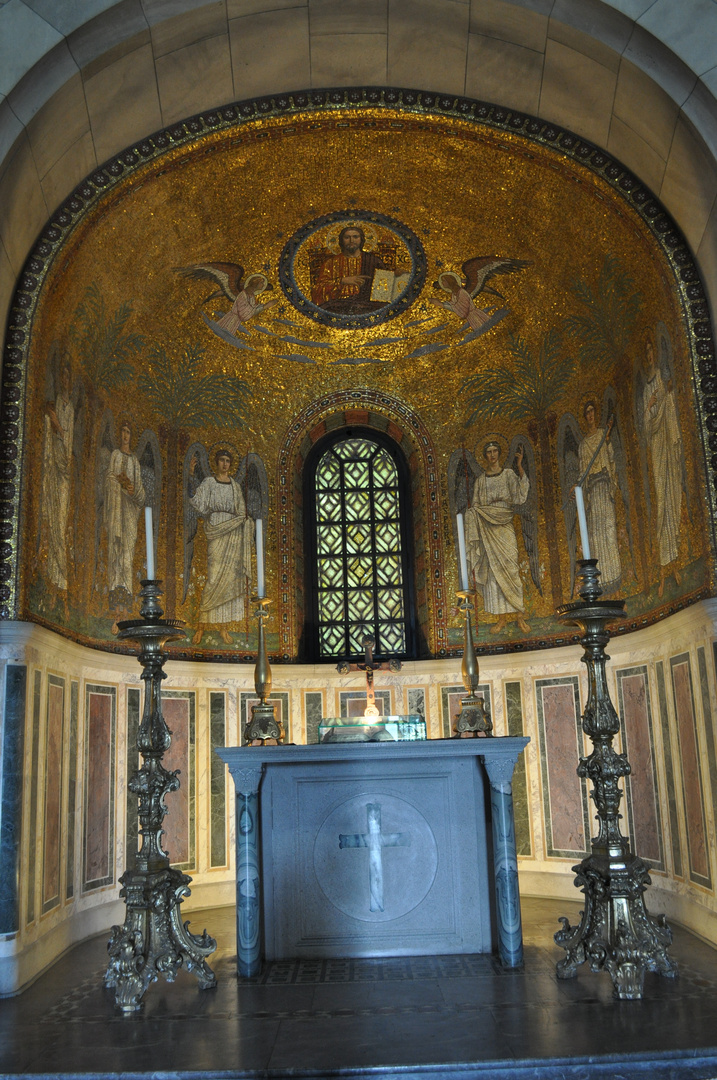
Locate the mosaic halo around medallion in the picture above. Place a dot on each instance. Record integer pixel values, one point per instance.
(352, 269)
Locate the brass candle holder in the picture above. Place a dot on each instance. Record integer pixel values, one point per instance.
(472, 720)
(153, 940)
(616, 933)
(263, 726)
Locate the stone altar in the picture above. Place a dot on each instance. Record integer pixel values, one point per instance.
(376, 849)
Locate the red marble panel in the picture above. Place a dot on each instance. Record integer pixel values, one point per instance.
(691, 781)
(53, 794)
(561, 751)
(99, 788)
(646, 825)
(177, 824)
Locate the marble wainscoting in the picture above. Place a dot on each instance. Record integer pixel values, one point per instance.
(69, 748)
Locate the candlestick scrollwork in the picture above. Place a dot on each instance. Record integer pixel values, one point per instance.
(153, 940)
(616, 933)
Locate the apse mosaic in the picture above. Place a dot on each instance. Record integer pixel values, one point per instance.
(502, 291)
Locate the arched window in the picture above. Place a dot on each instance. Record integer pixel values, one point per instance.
(358, 536)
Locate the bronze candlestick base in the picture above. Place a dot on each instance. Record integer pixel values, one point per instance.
(472, 720)
(616, 933)
(263, 726)
(153, 940)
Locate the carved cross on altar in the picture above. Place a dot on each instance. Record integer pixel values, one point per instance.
(374, 840)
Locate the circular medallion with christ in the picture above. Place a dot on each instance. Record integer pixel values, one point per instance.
(352, 269)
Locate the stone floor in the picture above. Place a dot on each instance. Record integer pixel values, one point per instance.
(448, 1017)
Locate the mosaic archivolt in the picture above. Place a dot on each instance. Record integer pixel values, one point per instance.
(537, 329)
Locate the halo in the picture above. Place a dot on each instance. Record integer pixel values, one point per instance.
(597, 400)
(224, 444)
(252, 277)
(331, 238)
(491, 437)
(447, 274)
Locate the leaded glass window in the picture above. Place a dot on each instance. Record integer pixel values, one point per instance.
(360, 557)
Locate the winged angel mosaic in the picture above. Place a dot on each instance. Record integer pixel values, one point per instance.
(352, 271)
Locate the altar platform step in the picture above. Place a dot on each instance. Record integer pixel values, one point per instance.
(447, 1017)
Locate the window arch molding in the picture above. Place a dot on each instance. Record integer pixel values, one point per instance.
(336, 441)
(382, 413)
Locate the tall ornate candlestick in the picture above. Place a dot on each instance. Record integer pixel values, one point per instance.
(153, 940)
(472, 719)
(616, 932)
(263, 726)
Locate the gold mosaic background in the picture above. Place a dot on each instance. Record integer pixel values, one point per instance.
(116, 294)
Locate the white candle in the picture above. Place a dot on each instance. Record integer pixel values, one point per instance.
(149, 537)
(462, 552)
(260, 558)
(583, 522)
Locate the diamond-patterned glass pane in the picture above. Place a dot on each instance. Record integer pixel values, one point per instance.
(360, 604)
(388, 570)
(357, 632)
(358, 506)
(355, 450)
(384, 470)
(393, 638)
(356, 475)
(359, 550)
(331, 606)
(328, 506)
(386, 504)
(390, 603)
(359, 539)
(329, 539)
(388, 537)
(359, 572)
(331, 640)
(328, 474)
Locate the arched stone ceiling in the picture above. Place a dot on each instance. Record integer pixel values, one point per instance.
(81, 80)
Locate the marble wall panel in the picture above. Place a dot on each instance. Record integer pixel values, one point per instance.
(451, 697)
(72, 789)
(313, 714)
(564, 795)
(689, 756)
(217, 779)
(248, 698)
(668, 764)
(98, 867)
(711, 743)
(353, 703)
(513, 693)
(416, 701)
(179, 709)
(633, 694)
(13, 733)
(32, 836)
(133, 763)
(52, 832)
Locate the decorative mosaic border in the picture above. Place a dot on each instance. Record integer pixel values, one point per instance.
(86, 195)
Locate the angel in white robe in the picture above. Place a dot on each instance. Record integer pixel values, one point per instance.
(56, 479)
(491, 543)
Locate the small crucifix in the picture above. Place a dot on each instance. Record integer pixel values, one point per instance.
(368, 667)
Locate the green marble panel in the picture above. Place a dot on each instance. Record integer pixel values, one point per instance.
(217, 780)
(314, 713)
(13, 734)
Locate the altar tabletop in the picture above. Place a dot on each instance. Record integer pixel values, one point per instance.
(376, 849)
